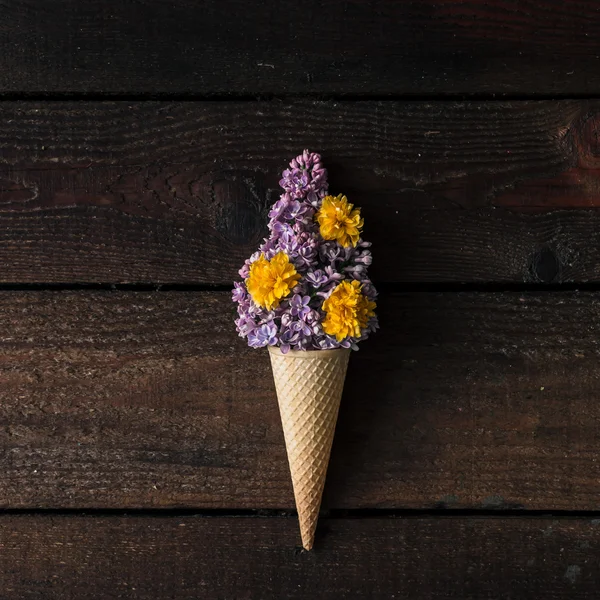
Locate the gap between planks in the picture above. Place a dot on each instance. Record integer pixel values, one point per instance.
(358, 513)
(279, 98)
(382, 287)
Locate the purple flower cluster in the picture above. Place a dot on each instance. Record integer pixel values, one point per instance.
(306, 179)
(296, 323)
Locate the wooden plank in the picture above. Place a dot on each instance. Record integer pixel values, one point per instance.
(114, 400)
(118, 192)
(429, 47)
(69, 557)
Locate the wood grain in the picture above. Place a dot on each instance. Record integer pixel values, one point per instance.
(444, 47)
(123, 400)
(68, 557)
(118, 192)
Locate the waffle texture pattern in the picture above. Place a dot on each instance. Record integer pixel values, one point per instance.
(309, 388)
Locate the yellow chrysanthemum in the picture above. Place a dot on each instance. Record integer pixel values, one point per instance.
(365, 310)
(347, 311)
(339, 220)
(271, 280)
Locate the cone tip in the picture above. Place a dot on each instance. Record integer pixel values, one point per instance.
(307, 533)
(307, 544)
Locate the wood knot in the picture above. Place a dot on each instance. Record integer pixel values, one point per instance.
(241, 204)
(545, 266)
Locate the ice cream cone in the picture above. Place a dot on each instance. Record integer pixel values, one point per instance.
(309, 388)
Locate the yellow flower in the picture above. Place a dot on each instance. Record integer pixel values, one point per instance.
(365, 310)
(339, 220)
(271, 280)
(348, 311)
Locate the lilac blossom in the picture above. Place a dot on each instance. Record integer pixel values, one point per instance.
(265, 335)
(316, 278)
(300, 306)
(296, 323)
(365, 258)
(306, 176)
(239, 293)
(245, 325)
(295, 210)
(279, 207)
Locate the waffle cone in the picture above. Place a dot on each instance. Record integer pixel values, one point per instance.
(309, 388)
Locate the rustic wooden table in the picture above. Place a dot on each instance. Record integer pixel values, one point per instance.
(141, 450)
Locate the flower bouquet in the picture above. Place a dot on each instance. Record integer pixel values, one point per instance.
(306, 296)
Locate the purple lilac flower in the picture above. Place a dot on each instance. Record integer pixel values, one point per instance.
(245, 326)
(269, 248)
(288, 339)
(296, 323)
(296, 182)
(330, 252)
(265, 335)
(239, 292)
(328, 343)
(301, 328)
(355, 271)
(245, 270)
(294, 210)
(288, 242)
(333, 275)
(316, 278)
(279, 207)
(306, 176)
(364, 258)
(300, 306)
(307, 250)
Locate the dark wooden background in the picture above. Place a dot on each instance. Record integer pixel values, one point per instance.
(141, 453)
